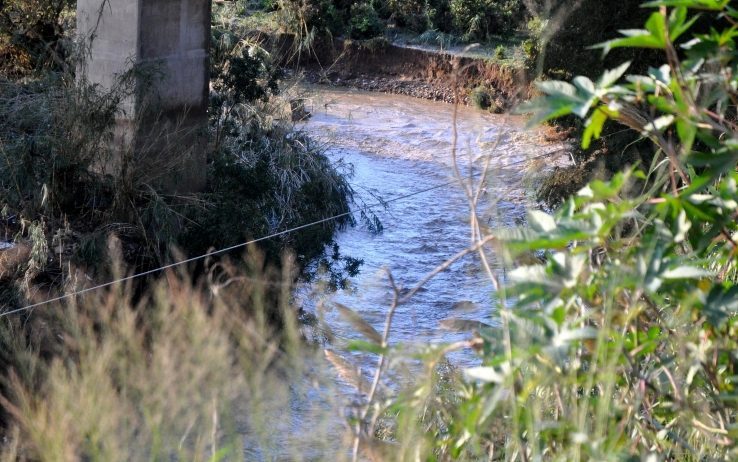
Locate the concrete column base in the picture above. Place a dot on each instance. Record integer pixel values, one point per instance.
(161, 137)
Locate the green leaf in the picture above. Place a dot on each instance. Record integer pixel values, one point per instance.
(686, 272)
(594, 127)
(678, 23)
(365, 347)
(557, 88)
(484, 374)
(656, 25)
(545, 109)
(541, 221)
(223, 453)
(611, 76)
(584, 84)
(359, 323)
(661, 74)
(712, 5)
(687, 131)
(653, 36)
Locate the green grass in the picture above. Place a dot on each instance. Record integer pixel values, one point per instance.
(507, 51)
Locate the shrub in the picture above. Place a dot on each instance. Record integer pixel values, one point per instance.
(481, 98)
(532, 45)
(264, 181)
(263, 175)
(31, 33)
(412, 14)
(500, 52)
(618, 313)
(310, 18)
(365, 22)
(480, 19)
(56, 138)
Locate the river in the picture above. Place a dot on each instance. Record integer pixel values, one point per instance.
(398, 146)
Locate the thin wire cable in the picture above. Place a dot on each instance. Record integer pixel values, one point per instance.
(383, 203)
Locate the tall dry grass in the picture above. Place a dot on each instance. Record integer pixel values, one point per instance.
(186, 371)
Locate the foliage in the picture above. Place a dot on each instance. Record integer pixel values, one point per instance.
(365, 22)
(619, 312)
(264, 176)
(31, 33)
(481, 98)
(173, 376)
(475, 20)
(53, 132)
(265, 181)
(57, 143)
(57, 135)
(413, 14)
(605, 328)
(479, 19)
(500, 52)
(310, 18)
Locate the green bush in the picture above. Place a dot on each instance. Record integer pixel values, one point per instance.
(481, 98)
(618, 314)
(500, 52)
(263, 181)
(263, 175)
(310, 18)
(480, 19)
(365, 22)
(411, 14)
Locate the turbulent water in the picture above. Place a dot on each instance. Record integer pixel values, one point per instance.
(399, 146)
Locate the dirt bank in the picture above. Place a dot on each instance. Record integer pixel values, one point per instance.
(378, 65)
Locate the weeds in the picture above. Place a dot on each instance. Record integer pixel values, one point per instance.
(62, 170)
(115, 379)
(620, 344)
(617, 313)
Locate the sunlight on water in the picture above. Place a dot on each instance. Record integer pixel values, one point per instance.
(399, 145)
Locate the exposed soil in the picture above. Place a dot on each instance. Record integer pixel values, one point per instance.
(377, 65)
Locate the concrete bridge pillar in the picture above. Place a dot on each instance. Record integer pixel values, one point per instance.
(165, 120)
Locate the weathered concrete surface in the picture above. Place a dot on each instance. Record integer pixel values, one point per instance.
(164, 122)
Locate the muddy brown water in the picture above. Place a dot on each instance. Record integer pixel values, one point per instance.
(398, 146)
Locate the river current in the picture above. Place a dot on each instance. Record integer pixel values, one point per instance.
(398, 146)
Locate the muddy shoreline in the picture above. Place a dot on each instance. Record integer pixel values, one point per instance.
(389, 85)
(380, 66)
